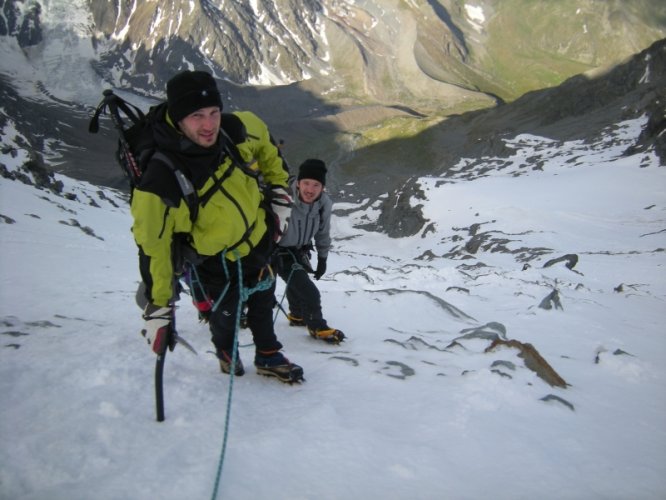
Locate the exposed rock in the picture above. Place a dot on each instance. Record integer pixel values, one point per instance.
(225, 38)
(552, 300)
(654, 133)
(427, 255)
(497, 366)
(346, 359)
(473, 245)
(441, 56)
(616, 352)
(533, 361)
(402, 219)
(404, 370)
(500, 373)
(553, 397)
(474, 229)
(571, 260)
(86, 229)
(30, 31)
(446, 306)
(21, 21)
(504, 364)
(492, 331)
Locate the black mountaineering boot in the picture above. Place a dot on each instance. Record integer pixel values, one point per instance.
(295, 320)
(276, 365)
(225, 363)
(330, 335)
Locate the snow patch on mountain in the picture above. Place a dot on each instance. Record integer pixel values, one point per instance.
(475, 16)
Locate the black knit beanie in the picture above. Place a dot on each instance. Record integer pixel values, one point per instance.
(189, 91)
(313, 169)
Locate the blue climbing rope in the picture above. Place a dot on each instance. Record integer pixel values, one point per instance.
(244, 294)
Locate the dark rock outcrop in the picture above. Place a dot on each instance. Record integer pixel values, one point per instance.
(533, 360)
(551, 301)
(570, 259)
(21, 20)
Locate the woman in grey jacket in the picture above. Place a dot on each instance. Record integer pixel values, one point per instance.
(310, 220)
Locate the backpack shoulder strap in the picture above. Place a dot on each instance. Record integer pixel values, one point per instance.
(232, 151)
(187, 188)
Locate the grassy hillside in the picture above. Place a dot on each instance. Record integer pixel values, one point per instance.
(552, 41)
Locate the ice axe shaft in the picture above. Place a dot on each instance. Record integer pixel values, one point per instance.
(159, 388)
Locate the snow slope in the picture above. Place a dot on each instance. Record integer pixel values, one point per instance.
(410, 406)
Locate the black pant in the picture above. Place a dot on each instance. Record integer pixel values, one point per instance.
(218, 282)
(302, 294)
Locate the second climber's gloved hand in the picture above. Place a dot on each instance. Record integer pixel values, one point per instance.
(321, 268)
(158, 329)
(307, 251)
(281, 204)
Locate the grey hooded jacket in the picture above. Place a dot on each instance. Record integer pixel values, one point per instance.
(309, 221)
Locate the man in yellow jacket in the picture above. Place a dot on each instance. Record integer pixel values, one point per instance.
(230, 231)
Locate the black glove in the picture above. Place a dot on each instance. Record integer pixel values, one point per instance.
(321, 267)
(158, 330)
(302, 257)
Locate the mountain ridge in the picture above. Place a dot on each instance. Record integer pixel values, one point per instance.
(376, 139)
(381, 50)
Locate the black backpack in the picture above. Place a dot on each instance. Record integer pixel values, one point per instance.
(136, 146)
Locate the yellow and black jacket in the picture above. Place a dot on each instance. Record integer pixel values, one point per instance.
(230, 217)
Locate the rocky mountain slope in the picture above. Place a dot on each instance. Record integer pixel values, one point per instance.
(380, 89)
(582, 109)
(431, 55)
(385, 50)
